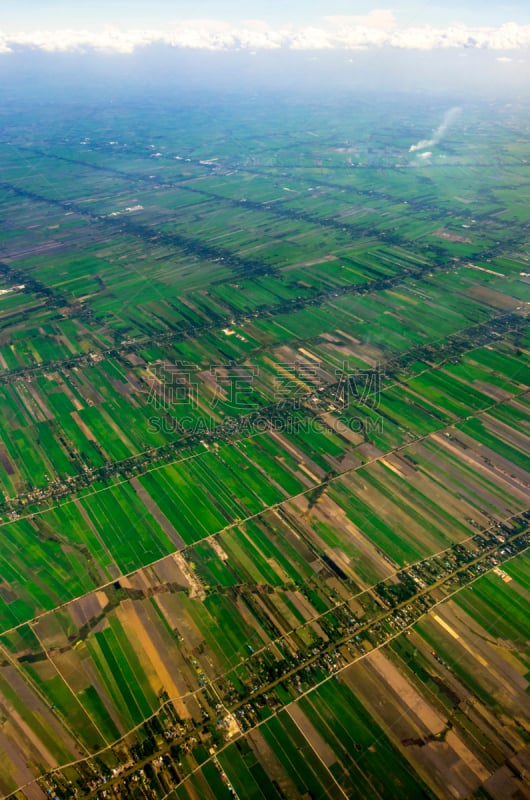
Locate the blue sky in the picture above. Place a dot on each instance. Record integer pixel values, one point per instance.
(127, 26)
(53, 14)
(435, 43)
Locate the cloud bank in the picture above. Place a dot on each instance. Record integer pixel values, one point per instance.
(376, 29)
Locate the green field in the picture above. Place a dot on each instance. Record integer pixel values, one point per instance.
(264, 448)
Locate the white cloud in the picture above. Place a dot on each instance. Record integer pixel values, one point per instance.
(376, 29)
(379, 18)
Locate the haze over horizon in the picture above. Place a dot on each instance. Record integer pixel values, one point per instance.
(470, 47)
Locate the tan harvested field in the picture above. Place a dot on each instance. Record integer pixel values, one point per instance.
(151, 651)
(405, 715)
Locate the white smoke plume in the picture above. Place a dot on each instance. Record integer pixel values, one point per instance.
(439, 133)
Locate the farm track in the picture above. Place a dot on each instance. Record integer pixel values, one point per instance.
(364, 628)
(502, 324)
(195, 247)
(379, 623)
(132, 345)
(322, 485)
(279, 171)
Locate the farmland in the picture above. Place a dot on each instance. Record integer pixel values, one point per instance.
(264, 447)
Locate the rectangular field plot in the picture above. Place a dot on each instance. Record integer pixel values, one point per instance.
(263, 444)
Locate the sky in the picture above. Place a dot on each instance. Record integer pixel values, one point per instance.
(467, 43)
(123, 25)
(24, 15)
